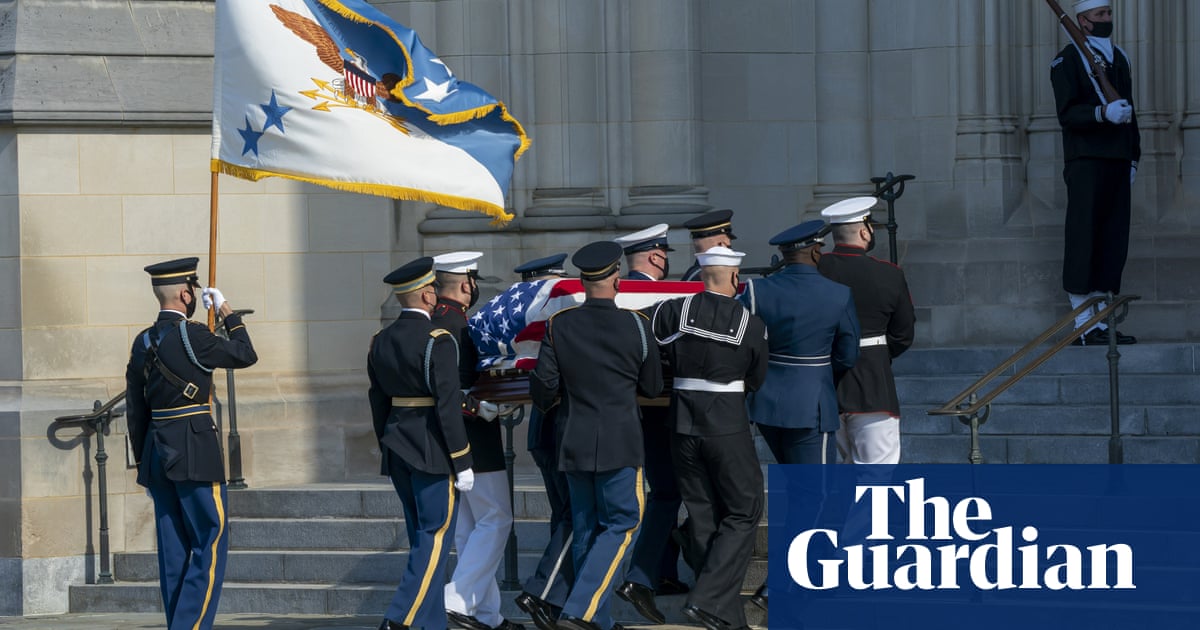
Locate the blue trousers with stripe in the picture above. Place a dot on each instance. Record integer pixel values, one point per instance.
(193, 542)
(606, 509)
(430, 507)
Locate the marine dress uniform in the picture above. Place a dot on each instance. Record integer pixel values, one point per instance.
(870, 409)
(178, 447)
(597, 358)
(708, 224)
(718, 352)
(416, 407)
(545, 592)
(813, 333)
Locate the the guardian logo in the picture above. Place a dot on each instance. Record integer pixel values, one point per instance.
(945, 546)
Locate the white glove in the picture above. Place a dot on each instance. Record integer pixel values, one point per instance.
(1118, 112)
(465, 480)
(212, 298)
(1132, 174)
(488, 410)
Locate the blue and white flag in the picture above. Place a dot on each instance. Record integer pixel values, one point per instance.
(336, 93)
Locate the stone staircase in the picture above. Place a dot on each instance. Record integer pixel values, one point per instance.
(338, 549)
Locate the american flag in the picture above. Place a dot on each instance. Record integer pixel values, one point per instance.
(358, 82)
(509, 328)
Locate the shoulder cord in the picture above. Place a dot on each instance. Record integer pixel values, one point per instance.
(429, 359)
(187, 345)
(641, 333)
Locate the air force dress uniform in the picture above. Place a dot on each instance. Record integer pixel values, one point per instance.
(718, 352)
(178, 447)
(708, 224)
(416, 406)
(598, 358)
(485, 513)
(870, 431)
(813, 335)
(546, 590)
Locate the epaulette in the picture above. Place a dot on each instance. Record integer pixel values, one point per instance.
(631, 310)
(438, 332)
(556, 314)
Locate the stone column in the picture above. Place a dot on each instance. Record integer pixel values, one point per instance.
(843, 80)
(987, 160)
(1151, 33)
(662, 94)
(1047, 195)
(1189, 50)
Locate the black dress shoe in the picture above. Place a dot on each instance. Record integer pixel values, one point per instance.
(567, 622)
(671, 586)
(388, 624)
(705, 618)
(759, 598)
(509, 625)
(538, 609)
(642, 599)
(1100, 337)
(466, 622)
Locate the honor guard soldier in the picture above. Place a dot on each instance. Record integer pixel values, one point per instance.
(1101, 149)
(597, 358)
(653, 567)
(711, 229)
(416, 406)
(176, 443)
(545, 591)
(867, 401)
(718, 352)
(485, 513)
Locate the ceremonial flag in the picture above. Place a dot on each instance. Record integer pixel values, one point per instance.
(336, 93)
(508, 330)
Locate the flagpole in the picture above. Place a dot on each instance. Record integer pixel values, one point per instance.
(212, 245)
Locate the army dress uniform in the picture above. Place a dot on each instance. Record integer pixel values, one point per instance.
(718, 352)
(545, 591)
(870, 431)
(813, 333)
(708, 224)
(178, 447)
(416, 408)
(598, 358)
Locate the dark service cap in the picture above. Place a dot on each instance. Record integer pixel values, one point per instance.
(801, 236)
(711, 224)
(411, 276)
(542, 266)
(178, 271)
(599, 260)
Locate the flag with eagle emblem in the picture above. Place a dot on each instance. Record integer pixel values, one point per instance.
(336, 93)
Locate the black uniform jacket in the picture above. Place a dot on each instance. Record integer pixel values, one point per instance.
(598, 358)
(713, 338)
(414, 358)
(1076, 100)
(189, 445)
(692, 273)
(884, 307)
(487, 447)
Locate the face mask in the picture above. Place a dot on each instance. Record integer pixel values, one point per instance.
(871, 243)
(1102, 29)
(474, 294)
(191, 306)
(665, 268)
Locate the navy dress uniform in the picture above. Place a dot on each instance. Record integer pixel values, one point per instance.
(485, 513)
(597, 358)
(654, 564)
(416, 408)
(711, 229)
(870, 409)
(178, 447)
(1101, 148)
(718, 352)
(814, 333)
(545, 591)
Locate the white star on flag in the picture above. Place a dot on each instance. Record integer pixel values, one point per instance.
(436, 92)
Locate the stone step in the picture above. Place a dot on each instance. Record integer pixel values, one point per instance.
(339, 567)
(1142, 358)
(1055, 390)
(321, 599)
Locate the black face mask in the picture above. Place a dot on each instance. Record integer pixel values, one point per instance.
(191, 306)
(665, 268)
(871, 243)
(1102, 29)
(474, 293)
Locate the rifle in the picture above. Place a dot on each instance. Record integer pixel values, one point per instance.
(776, 265)
(1095, 61)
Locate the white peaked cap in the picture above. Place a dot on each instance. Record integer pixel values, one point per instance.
(850, 210)
(719, 256)
(457, 262)
(653, 237)
(1088, 5)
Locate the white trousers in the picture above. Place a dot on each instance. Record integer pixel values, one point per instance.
(484, 520)
(869, 438)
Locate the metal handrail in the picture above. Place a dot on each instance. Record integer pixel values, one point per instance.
(98, 420)
(969, 411)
